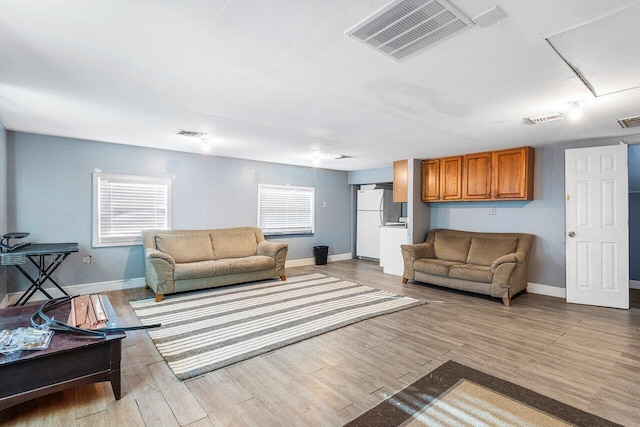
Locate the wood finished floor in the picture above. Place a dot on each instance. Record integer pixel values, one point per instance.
(587, 357)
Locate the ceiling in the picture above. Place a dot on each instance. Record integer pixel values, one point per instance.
(279, 81)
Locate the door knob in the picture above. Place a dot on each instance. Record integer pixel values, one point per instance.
(572, 234)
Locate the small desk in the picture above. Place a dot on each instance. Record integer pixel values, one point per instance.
(70, 361)
(37, 253)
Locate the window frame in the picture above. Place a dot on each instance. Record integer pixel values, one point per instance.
(267, 232)
(97, 241)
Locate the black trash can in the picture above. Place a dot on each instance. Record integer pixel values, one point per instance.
(321, 253)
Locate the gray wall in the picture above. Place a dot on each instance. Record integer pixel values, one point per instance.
(418, 212)
(371, 176)
(3, 203)
(634, 168)
(634, 212)
(544, 216)
(634, 236)
(49, 195)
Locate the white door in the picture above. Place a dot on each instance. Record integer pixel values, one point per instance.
(597, 252)
(368, 234)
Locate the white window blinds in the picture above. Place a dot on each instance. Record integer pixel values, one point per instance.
(285, 210)
(124, 205)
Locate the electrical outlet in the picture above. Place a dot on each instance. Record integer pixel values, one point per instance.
(86, 259)
(491, 211)
(324, 204)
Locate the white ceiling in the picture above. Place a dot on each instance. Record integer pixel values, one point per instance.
(280, 81)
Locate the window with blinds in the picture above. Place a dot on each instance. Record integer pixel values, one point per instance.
(285, 209)
(124, 205)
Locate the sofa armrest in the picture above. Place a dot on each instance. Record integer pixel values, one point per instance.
(503, 268)
(516, 257)
(270, 249)
(419, 250)
(277, 251)
(151, 253)
(411, 253)
(159, 268)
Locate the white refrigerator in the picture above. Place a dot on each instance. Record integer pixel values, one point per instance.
(375, 208)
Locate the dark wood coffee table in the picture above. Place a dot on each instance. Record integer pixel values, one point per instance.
(71, 359)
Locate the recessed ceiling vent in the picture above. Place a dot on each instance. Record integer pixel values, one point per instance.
(405, 27)
(545, 118)
(190, 133)
(630, 122)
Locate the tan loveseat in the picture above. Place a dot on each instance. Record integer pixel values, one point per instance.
(492, 264)
(184, 260)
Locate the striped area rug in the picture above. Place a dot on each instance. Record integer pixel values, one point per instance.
(206, 330)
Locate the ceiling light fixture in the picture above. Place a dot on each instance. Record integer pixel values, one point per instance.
(575, 112)
(205, 144)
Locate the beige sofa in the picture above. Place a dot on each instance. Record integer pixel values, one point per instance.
(492, 264)
(184, 260)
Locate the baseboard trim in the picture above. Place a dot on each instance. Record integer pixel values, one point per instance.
(634, 284)
(82, 289)
(311, 261)
(5, 302)
(552, 291)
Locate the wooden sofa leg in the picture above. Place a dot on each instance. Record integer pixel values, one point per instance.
(283, 278)
(159, 297)
(405, 280)
(507, 301)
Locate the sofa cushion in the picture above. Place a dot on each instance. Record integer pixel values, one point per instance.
(198, 270)
(485, 250)
(251, 263)
(185, 247)
(234, 245)
(451, 247)
(439, 267)
(474, 273)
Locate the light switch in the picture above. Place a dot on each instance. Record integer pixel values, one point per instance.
(491, 211)
(324, 204)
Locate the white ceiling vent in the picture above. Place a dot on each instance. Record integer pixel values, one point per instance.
(489, 17)
(545, 118)
(630, 122)
(405, 27)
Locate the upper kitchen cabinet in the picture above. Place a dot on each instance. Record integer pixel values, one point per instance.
(493, 175)
(400, 181)
(451, 178)
(430, 180)
(477, 176)
(442, 179)
(512, 174)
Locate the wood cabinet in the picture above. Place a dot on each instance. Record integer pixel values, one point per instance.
(442, 179)
(493, 175)
(477, 176)
(400, 181)
(512, 174)
(430, 180)
(451, 178)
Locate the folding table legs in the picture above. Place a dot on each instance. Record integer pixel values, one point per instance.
(44, 274)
